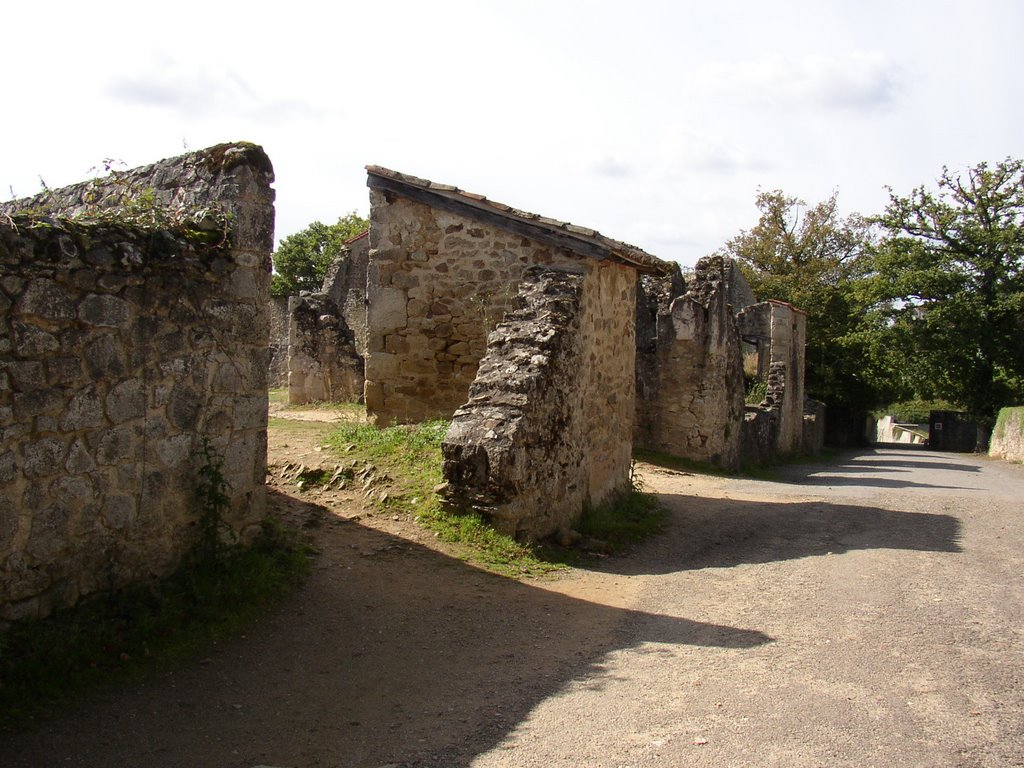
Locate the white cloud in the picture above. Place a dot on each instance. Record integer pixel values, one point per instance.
(858, 81)
(196, 90)
(614, 169)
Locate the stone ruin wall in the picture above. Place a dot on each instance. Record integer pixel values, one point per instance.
(691, 381)
(1007, 441)
(437, 283)
(780, 332)
(547, 426)
(278, 376)
(326, 332)
(323, 364)
(120, 349)
(690, 384)
(345, 285)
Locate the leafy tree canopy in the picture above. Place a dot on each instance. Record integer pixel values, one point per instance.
(302, 259)
(817, 260)
(950, 278)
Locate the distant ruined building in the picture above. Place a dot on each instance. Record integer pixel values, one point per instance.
(690, 359)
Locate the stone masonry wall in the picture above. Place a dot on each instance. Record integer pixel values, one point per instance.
(121, 347)
(692, 403)
(278, 315)
(780, 332)
(323, 365)
(345, 285)
(1007, 440)
(437, 283)
(547, 426)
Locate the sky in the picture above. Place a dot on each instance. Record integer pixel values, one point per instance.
(653, 122)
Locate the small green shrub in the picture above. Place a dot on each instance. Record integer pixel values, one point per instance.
(756, 391)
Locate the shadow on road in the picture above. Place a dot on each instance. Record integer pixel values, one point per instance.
(722, 532)
(887, 463)
(918, 469)
(391, 654)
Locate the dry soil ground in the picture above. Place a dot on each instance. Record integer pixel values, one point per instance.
(868, 612)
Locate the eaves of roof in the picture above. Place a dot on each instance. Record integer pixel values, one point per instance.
(560, 234)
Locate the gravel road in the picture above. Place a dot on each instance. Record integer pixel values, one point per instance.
(865, 613)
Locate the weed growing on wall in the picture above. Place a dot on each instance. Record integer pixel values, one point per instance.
(212, 502)
(118, 200)
(1004, 418)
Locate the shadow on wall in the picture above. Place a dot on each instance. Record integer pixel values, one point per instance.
(435, 663)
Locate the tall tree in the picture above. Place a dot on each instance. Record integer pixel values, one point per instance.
(302, 259)
(816, 260)
(952, 268)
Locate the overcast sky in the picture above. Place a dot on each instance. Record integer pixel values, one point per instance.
(653, 122)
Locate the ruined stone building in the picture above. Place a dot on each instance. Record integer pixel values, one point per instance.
(133, 328)
(690, 375)
(521, 329)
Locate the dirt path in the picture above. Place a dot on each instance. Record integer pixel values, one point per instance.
(866, 614)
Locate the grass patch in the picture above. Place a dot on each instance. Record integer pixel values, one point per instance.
(630, 518)
(135, 631)
(754, 471)
(276, 422)
(353, 411)
(410, 456)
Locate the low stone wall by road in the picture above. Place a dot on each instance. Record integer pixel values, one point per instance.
(1007, 440)
(122, 346)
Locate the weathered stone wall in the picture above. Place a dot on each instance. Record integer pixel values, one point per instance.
(780, 332)
(323, 365)
(758, 436)
(437, 283)
(692, 398)
(121, 346)
(654, 296)
(278, 308)
(1008, 436)
(813, 440)
(345, 285)
(548, 423)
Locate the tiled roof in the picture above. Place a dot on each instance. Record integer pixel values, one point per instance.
(787, 304)
(581, 240)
